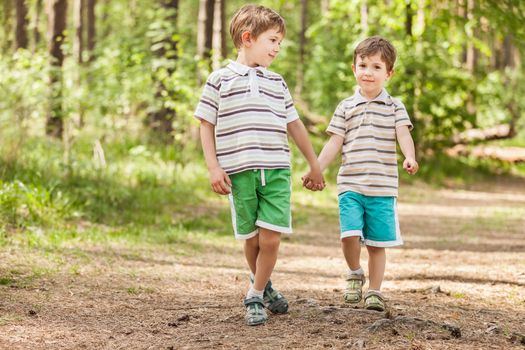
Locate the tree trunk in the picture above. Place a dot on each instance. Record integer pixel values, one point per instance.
(21, 25)
(91, 29)
(219, 34)
(161, 120)
(205, 28)
(302, 46)
(508, 52)
(36, 28)
(470, 56)
(79, 29)
(409, 14)
(364, 17)
(325, 7)
(57, 11)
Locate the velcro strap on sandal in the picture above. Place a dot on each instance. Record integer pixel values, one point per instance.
(253, 300)
(376, 294)
(356, 278)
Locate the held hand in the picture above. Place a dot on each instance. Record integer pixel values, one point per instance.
(410, 165)
(314, 181)
(220, 181)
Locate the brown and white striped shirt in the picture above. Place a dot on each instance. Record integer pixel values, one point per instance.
(250, 108)
(369, 160)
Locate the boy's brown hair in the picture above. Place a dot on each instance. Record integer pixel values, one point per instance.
(256, 20)
(374, 45)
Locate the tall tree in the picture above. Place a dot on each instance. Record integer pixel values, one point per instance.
(160, 121)
(364, 17)
(79, 29)
(36, 27)
(57, 10)
(205, 28)
(219, 34)
(21, 39)
(91, 28)
(302, 47)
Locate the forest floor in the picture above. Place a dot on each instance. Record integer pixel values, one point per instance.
(457, 283)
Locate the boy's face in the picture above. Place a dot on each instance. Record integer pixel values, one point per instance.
(371, 74)
(263, 50)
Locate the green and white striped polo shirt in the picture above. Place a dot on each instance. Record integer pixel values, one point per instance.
(369, 161)
(250, 108)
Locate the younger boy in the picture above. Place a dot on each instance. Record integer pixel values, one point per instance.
(366, 126)
(246, 113)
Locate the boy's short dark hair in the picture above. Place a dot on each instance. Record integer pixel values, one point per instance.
(256, 20)
(374, 45)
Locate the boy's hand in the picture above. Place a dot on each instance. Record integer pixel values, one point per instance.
(314, 180)
(410, 165)
(220, 181)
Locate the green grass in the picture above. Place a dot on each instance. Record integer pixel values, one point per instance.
(149, 193)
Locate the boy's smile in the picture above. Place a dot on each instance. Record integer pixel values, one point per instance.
(263, 50)
(371, 74)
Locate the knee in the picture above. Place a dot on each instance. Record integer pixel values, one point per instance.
(375, 250)
(269, 241)
(252, 242)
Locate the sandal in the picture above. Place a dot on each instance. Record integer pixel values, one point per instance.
(354, 289)
(273, 299)
(374, 301)
(255, 314)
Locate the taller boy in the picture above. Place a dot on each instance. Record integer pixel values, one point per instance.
(246, 112)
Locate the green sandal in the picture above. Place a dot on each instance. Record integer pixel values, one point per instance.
(374, 301)
(354, 289)
(255, 314)
(273, 299)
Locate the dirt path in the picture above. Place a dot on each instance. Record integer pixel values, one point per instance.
(457, 283)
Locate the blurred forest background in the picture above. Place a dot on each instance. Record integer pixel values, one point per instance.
(110, 236)
(97, 96)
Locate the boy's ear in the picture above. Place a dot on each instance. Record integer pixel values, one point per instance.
(391, 73)
(246, 38)
(353, 68)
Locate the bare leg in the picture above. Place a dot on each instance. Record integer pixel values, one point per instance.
(269, 242)
(352, 251)
(251, 251)
(376, 266)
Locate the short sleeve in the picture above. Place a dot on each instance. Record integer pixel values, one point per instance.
(291, 112)
(208, 106)
(401, 115)
(338, 123)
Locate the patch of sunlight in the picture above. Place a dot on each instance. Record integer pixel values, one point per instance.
(458, 211)
(481, 196)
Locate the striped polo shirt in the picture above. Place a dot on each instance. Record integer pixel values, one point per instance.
(250, 108)
(369, 161)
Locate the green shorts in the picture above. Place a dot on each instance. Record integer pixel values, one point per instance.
(260, 198)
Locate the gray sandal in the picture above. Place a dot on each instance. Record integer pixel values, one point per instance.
(255, 314)
(374, 301)
(273, 299)
(354, 288)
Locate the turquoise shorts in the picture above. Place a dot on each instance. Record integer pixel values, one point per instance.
(260, 198)
(372, 218)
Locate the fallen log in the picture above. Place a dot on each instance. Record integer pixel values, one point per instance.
(506, 154)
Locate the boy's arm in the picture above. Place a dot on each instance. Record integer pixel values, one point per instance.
(407, 148)
(327, 155)
(330, 150)
(299, 134)
(220, 181)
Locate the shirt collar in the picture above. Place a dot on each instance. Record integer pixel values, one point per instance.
(242, 69)
(383, 97)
